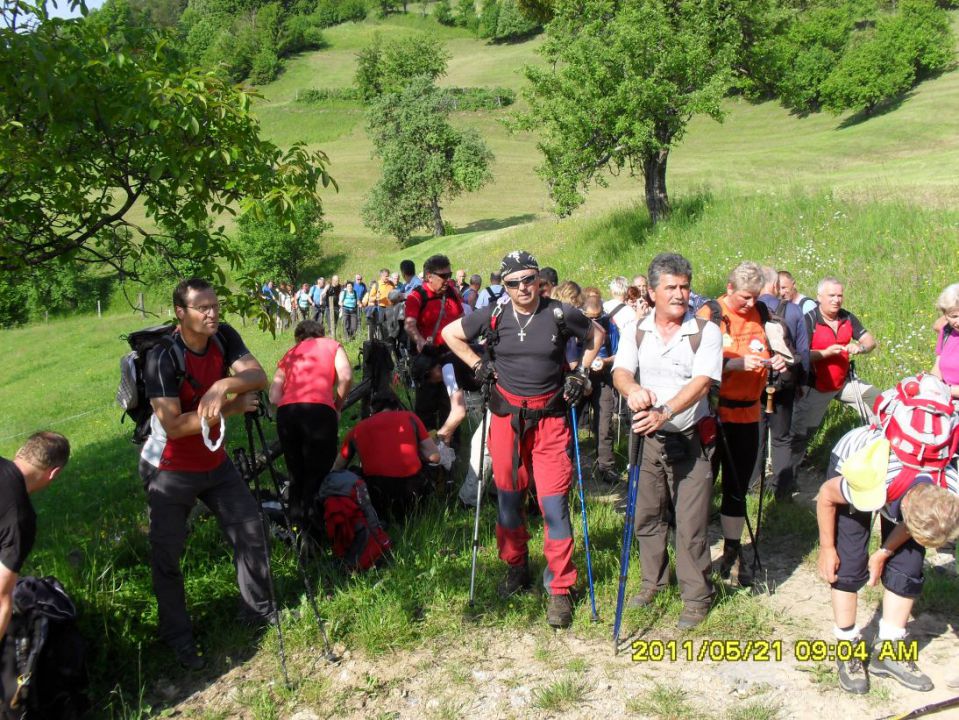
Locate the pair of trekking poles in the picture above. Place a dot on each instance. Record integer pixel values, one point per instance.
(487, 387)
(251, 464)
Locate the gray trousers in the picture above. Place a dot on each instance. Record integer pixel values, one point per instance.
(811, 408)
(170, 496)
(688, 484)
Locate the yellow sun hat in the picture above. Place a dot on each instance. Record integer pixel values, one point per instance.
(865, 474)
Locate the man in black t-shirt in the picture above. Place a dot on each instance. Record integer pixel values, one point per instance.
(528, 433)
(35, 465)
(183, 459)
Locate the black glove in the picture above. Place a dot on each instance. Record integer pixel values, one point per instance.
(577, 385)
(483, 372)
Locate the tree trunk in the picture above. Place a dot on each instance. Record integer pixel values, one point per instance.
(438, 229)
(654, 172)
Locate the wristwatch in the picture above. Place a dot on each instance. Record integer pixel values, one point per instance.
(667, 411)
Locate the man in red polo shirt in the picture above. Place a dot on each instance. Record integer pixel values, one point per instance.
(391, 445)
(439, 375)
(835, 335)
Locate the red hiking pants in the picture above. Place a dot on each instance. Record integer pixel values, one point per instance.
(542, 457)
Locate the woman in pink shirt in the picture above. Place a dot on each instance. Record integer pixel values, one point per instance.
(947, 347)
(310, 386)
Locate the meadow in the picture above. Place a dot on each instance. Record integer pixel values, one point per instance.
(866, 201)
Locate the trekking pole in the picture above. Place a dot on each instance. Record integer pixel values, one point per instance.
(479, 491)
(253, 419)
(925, 710)
(865, 414)
(764, 439)
(757, 563)
(582, 504)
(632, 488)
(247, 464)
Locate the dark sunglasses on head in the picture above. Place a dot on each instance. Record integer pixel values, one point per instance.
(527, 280)
(445, 275)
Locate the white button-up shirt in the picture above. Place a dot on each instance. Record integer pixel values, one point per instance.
(665, 368)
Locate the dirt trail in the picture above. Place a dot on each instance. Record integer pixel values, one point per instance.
(502, 674)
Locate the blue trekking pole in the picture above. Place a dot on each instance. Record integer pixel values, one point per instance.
(632, 488)
(582, 504)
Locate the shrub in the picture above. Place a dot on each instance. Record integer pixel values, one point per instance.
(511, 24)
(466, 16)
(489, 16)
(266, 66)
(443, 13)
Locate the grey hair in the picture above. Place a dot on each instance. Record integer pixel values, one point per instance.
(668, 264)
(746, 276)
(476, 279)
(828, 280)
(618, 286)
(948, 299)
(770, 276)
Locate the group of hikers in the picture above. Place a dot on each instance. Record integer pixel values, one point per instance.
(706, 382)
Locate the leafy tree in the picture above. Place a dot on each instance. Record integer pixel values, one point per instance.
(489, 17)
(512, 24)
(265, 67)
(466, 15)
(425, 160)
(101, 125)
(443, 13)
(389, 67)
(269, 250)
(615, 93)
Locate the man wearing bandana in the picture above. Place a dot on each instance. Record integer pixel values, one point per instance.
(529, 433)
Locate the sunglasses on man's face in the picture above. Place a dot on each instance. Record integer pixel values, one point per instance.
(526, 280)
(444, 275)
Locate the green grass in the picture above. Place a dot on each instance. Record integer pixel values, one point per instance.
(909, 154)
(665, 702)
(561, 695)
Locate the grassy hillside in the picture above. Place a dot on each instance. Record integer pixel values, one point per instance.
(910, 153)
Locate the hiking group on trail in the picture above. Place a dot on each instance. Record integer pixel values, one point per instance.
(709, 387)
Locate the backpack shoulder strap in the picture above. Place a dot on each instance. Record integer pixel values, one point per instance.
(696, 340)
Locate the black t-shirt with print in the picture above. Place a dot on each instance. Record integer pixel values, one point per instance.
(530, 353)
(18, 521)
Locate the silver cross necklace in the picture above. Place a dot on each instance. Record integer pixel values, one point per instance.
(522, 328)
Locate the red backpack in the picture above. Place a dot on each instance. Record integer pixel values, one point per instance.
(920, 420)
(351, 522)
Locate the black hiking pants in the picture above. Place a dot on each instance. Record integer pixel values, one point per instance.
(170, 496)
(308, 434)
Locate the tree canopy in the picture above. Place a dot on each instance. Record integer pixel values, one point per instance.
(113, 152)
(621, 82)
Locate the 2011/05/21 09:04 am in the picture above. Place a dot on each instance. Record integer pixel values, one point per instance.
(765, 650)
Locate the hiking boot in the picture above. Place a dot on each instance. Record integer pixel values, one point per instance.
(905, 672)
(691, 616)
(607, 475)
(733, 566)
(188, 657)
(644, 599)
(559, 612)
(852, 676)
(517, 580)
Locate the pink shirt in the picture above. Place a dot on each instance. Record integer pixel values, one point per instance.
(948, 351)
(310, 372)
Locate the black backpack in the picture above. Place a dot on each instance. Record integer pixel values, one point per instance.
(43, 659)
(131, 393)
(494, 296)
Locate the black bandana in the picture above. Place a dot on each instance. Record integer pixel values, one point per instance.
(518, 260)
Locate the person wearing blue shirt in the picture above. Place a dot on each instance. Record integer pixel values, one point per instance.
(410, 278)
(783, 481)
(491, 294)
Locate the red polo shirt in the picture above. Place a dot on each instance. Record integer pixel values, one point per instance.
(424, 305)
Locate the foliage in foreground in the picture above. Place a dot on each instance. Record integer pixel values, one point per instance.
(99, 118)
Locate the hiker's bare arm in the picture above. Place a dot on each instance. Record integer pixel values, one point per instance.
(456, 341)
(877, 561)
(409, 324)
(344, 377)
(830, 498)
(865, 344)
(594, 341)
(8, 581)
(248, 376)
(637, 397)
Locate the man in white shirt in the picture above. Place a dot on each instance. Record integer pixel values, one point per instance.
(678, 358)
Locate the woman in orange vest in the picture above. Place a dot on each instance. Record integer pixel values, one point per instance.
(746, 362)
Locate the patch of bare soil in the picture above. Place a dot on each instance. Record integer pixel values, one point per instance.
(542, 673)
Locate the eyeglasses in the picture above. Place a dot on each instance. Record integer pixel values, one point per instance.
(527, 280)
(206, 309)
(444, 275)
